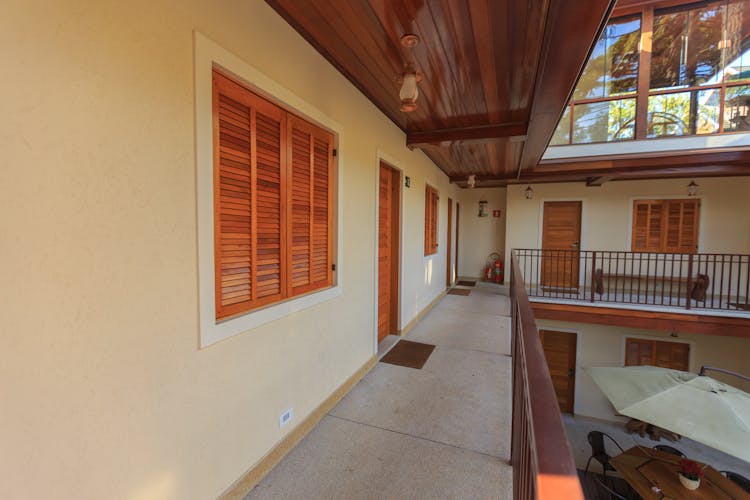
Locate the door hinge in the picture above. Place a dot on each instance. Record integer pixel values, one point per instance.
(335, 152)
(333, 267)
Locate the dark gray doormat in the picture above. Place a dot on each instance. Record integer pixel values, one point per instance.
(466, 283)
(409, 354)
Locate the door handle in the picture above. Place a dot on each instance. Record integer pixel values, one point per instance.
(571, 372)
(574, 244)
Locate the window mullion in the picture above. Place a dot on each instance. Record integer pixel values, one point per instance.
(644, 73)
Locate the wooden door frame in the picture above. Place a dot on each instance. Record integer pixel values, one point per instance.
(448, 265)
(458, 212)
(576, 357)
(396, 228)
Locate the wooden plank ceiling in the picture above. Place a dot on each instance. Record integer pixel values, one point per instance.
(496, 74)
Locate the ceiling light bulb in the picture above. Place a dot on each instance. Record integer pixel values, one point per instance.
(692, 188)
(471, 181)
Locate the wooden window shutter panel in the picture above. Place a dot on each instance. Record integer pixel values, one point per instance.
(430, 220)
(682, 226)
(322, 214)
(309, 194)
(248, 132)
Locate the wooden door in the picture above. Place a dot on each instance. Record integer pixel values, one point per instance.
(449, 264)
(560, 352)
(458, 213)
(388, 250)
(561, 237)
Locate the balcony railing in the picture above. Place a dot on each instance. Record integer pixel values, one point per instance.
(543, 466)
(699, 281)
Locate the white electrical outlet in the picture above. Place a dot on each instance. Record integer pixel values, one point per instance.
(286, 417)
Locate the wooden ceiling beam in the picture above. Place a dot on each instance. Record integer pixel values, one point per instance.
(634, 173)
(442, 137)
(571, 32)
(598, 181)
(652, 320)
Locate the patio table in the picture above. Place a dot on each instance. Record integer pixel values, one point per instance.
(644, 468)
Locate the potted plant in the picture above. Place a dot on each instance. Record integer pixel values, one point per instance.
(690, 473)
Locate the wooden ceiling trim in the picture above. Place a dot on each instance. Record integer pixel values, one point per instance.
(452, 44)
(636, 173)
(562, 59)
(703, 324)
(396, 22)
(688, 158)
(483, 133)
(485, 40)
(529, 21)
(293, 17)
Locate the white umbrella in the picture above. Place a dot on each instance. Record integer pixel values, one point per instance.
(695, 406)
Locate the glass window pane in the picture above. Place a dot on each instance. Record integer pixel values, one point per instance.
(737, 109)
(704, 54)
(604, 121)
(707, 114)
(669, 114)
(670, 33)
(613, 66)
(562, 132)
(686, 47)
(684, 113)
(737, 42)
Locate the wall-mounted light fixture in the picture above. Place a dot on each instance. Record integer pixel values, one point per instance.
(483, 208)
(692, 188)
(471, 182)
(409, 91)
(529, 193)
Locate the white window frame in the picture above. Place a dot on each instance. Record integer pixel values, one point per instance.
(207, 56)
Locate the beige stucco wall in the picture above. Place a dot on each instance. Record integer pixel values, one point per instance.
(602, 345)
(606, 212)
(480, 236)
(105, 393)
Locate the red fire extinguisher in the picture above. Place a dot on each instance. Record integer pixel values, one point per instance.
(498, 271)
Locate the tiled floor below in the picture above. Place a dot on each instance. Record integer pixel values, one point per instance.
(439, 432)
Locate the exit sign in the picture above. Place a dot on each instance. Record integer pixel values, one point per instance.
(496, 213)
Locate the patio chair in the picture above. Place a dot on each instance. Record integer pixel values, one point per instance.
(738, 479)
(607, 493)
(669, 449)
(599, 451)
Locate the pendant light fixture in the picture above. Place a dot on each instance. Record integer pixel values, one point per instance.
(692, 188)
(409, 90)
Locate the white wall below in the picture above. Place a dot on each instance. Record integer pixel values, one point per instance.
(480, 236)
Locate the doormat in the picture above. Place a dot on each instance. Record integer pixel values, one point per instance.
(409, 354)
(466, 283)
(458, 291)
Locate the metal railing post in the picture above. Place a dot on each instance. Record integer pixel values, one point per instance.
(689, 281)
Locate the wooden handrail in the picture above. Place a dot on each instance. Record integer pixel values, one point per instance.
(543, 466)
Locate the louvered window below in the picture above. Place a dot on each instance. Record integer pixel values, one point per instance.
(273, 201)
(666, 226)
(674, 355)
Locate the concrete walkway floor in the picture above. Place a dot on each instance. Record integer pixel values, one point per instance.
(401, 433)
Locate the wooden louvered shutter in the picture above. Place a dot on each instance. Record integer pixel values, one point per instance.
(309, 193)
(647, 226)
(674, 355)
(665, 225)
(430, 220)
(248, 217)
(681, 226)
